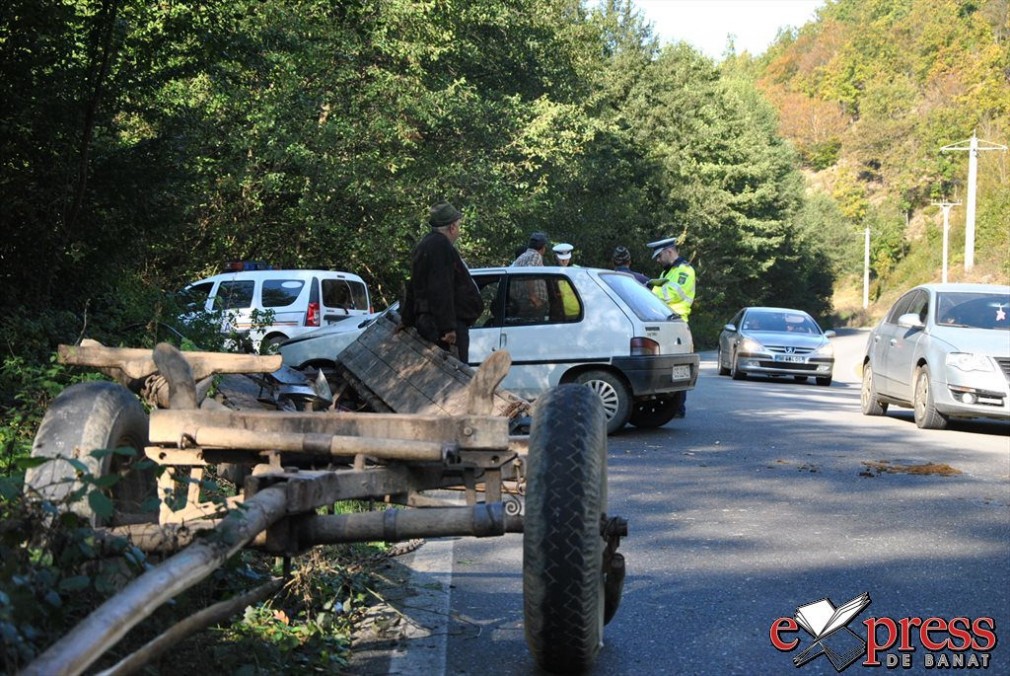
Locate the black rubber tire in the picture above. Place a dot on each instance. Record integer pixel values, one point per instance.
(566, 496)
(823, 382)
(723, 370)
(613, 394)
(653, 413)
(734, 372)
(83, 418)
(926, 415)
(869, 403)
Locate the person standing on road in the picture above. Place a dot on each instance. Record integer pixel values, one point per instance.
(442, 301)
(531, 295)
(621, 259)
(675, 287)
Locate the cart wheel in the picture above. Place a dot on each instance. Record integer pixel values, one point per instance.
(87, 417)
(563, 581)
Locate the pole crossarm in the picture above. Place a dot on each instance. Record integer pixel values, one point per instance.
(973, 146)
(979, 145)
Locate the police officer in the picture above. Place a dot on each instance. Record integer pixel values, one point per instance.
(563, 253)
(442, 300)
(676, 285)
(675, 288)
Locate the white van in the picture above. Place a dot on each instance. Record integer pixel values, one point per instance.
(301, 300)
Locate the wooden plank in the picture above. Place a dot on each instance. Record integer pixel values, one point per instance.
(180, 428)
(139, 363)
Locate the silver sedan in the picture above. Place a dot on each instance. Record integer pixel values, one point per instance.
(944, 351)
(777, 342)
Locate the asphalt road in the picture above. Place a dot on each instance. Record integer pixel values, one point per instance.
(770, 495)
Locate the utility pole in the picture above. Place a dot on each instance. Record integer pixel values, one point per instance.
(866, 269)
(973, 148)
(946, 206)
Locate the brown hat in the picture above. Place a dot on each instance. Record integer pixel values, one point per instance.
(443, 214)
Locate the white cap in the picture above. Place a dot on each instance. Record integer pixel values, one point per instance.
(563, 251)
(661, 245)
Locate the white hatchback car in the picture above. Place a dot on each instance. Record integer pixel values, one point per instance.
(597, 327)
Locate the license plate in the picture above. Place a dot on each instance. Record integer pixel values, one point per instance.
(791, 358)
(681, 372)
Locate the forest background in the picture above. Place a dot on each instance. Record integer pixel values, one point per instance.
(144, 145)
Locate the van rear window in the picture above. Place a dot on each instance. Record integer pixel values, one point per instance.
(345, 294)
(281, 292)
(235, 295)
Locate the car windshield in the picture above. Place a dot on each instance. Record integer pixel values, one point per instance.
(975, 310)
(780, 322)
(645, 304)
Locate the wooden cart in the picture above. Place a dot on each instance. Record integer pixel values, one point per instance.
(447, 427)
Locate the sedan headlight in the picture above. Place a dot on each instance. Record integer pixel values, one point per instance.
(751, 345)
(825, 350)
(969, 361)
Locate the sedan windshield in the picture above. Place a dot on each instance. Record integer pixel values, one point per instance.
(780, 322)
(973, 310)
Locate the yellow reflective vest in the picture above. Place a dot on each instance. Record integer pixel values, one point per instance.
(677, 290)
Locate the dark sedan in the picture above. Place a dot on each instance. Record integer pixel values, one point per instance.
(777, 342)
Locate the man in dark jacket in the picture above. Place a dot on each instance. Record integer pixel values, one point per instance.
(442, 300)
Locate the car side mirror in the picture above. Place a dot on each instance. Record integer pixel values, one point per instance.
(830, 334)
(730, 327)
(910, 321)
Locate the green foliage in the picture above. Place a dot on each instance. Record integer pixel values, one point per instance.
(26, 389)
(54, 571)
(914, 76)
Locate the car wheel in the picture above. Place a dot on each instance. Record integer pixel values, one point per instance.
(803, 379)
(564, 604)
(653, 413)
(87, 417)
(868, 400)
(823, 382)
(926, 415)
(614, 395)
(723, 370)
(272, 344)
(734, 370)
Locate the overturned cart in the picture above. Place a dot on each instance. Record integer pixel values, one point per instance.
(550, 485)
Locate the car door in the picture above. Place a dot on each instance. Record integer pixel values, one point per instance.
(485, 334)
(901, 348)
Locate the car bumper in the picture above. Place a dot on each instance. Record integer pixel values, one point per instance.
(980, 397)
(659, 374)
(765, 364)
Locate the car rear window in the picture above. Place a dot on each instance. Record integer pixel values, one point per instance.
(281, 292)
(646, 305)
(346, 294)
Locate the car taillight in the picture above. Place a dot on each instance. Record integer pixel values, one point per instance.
(644, 346)
(312, 315)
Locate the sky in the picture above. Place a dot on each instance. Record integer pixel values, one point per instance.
(704, 24)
